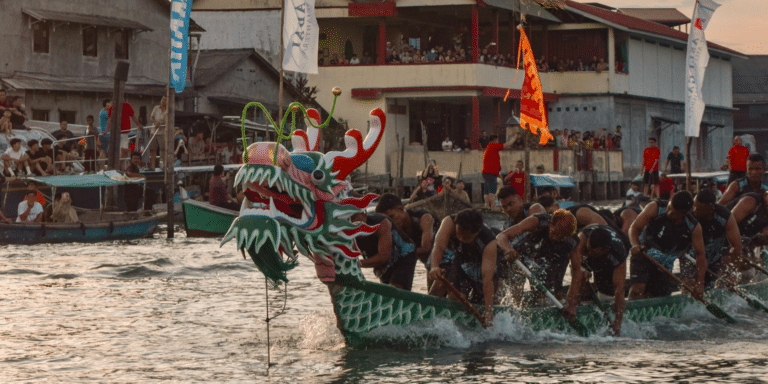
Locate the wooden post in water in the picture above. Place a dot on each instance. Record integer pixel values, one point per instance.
(170, 124)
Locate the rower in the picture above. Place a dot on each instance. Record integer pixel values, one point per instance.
(420, 225)
(602, 252)
(751, 214)
(717, 225)
(389, 251)
(625, 216)
(514, 207)
(545, 242)
(465, 253)
(753, 182)
(665, 230)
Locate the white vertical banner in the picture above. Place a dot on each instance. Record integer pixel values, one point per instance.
(697, 58)
(300, 36)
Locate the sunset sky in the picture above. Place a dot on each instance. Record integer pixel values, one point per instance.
(741, 25)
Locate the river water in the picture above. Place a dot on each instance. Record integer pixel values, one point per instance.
(185, 310)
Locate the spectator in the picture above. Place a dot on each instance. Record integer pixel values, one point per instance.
(14, 158)
(3, 102)
(227, 154)
(651, 168)
(217, 190)
(632, 194)
(334, 59)
(125, 127)
(580, 66)
(466, 146)
(666, 187)
(432, 56)
(492, 168)
(29, 210)
(18, 115)
(197, 147)
(676, 160)
(39, 197)
(354, 60)
(37, 161)
(460, 192)
(158, 141)
(516, 179)
(619, 66)
(484, 140)
(367, 59)
(103, 126)
(456, 147)
(422, 192)
(602, 66)
(48, 156)
(91, 144)
(6, 126)
(593, 64)
(617, 137)
(65, 146)
(133, 192)
(553, 64)
(62, 211)
(447, 144)
(737, 160)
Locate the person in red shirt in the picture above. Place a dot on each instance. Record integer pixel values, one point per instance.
(125, 127)
(651, 156)
(666, 187)
(516, 178)
(492, 168)
(737, 160)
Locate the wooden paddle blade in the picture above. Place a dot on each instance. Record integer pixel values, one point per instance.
(753, 301)
(579, 327)
(719, 313)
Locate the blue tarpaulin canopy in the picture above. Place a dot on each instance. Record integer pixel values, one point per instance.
(552, 180)
(87, 181)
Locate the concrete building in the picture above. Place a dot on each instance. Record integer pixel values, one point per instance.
(63, 53)
(463, 99)
(750, 97)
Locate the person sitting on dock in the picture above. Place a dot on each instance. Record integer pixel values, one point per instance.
(420, 225)
(30, 211)
(14, 158)
(62, 211)
(718, 225)
(752, 182)
(65, 146)
(751, 214)
(632, 193)
(217, 190)
(665, 230)
(389, 251)
(36, 159)
(545, 242)
(133, 192)
(422, 192)
(460, 192)
(39, 197)
(465, 253)
(602, 252)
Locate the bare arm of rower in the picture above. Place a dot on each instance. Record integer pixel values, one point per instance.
(697, 241)
(733, 258)
(536, 209)
(619, 280)
(642, 220)
(577, 276)
(447, 228)
(381, 258)
(505, 238)
(730, 193)
(487, 269)
(743, 208)
(426, 223)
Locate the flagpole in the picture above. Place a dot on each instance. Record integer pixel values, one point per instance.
(282, 52)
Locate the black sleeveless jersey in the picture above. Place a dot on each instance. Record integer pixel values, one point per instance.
(470, 256)
(756, 221)
(615, 257)
(663, 235)
(713, 232)
(402, 246)
(416, 232)
(744, 187)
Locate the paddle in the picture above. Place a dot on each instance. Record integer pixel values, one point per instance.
(751, 300)
(577, 326)
(755, 266)
(606, 313)
(712, 308)
(471, 308)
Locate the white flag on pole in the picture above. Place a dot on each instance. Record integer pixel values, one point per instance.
(695, 65)
(300, 36)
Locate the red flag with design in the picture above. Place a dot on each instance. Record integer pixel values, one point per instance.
(533, 112)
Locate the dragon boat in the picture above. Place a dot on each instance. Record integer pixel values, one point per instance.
(295, 200)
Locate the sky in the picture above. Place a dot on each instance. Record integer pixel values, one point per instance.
(741, 25)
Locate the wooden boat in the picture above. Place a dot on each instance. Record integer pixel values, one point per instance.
(94, 226)
(204, 220)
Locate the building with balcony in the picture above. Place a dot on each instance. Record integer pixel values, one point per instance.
(60, 56)
(461, 98)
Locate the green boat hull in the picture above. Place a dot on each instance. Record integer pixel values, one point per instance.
(204, 220)
(363, 306)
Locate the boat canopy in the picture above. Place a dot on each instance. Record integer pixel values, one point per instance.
(108, 179)
(552, 180)
(719, 176)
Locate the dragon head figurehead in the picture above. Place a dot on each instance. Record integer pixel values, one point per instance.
(298, 199)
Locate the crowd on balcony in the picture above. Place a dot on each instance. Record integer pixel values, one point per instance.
(578, 65)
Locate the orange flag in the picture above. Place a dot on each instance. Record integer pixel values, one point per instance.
(533, 112)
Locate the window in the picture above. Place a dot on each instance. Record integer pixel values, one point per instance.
(122, 41)
(40, 115)
(90, 41)
(69, 116)
(41, 33)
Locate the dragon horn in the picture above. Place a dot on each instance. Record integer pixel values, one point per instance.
(358, 151)
(308, 141)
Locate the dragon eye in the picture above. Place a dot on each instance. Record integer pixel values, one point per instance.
(318, 176)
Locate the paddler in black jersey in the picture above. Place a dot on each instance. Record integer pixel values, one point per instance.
(545, 243)
(601, 251)
(465, 254)
(665, 230)
(719, 228)
(389, 251)
(751, 214)
(625, 216)
(752, 183)
(514, 207)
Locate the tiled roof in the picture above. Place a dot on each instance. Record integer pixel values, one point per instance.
(666, 16)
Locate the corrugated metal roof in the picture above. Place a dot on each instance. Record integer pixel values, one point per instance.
(750, 79)
(525, 6)
(80, 18)
(214, 63)
(105, 84)
(638, 25)
(666, 16)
